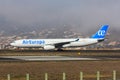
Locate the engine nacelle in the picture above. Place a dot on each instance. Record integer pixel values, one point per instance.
(49, 47)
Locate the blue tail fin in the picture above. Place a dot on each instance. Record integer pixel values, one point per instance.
(101, 33)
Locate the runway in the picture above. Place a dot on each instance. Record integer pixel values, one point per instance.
(57, 58)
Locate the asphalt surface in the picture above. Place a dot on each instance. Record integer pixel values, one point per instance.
(57, 58)
(100, 55)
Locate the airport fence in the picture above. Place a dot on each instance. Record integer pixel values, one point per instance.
(98, 76)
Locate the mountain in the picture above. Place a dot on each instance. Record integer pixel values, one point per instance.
(11, 28)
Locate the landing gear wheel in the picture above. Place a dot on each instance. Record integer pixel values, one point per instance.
(59, 49)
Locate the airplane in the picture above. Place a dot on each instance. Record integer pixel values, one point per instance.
(52, 44)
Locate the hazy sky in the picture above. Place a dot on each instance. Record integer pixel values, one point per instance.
(83, 14)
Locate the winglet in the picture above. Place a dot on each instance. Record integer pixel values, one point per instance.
(77, 40)
(101, 33)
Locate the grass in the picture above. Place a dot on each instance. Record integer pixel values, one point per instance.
(18, 70)
(55, 69)
(57, 53)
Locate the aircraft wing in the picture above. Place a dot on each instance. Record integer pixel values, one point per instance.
(59, 45)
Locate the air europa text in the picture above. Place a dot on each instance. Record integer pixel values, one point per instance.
(33, 42)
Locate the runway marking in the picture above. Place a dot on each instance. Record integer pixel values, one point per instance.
(57, 58)
(45, 58)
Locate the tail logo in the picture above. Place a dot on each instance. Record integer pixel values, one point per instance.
(101, 32)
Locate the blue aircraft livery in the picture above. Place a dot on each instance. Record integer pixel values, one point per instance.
(33, 42)
(51, 44)
(101, 33)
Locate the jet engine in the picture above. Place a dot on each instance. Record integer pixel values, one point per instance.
(49, 47)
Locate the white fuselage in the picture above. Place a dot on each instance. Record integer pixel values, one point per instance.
(51, 43)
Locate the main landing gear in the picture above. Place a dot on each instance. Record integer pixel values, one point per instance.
(59, 49)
